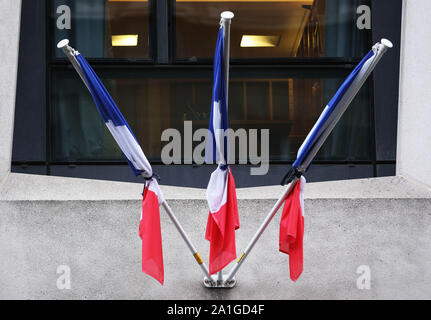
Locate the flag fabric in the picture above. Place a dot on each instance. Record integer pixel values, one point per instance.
(217, 143)
(292, 229)
(115, 121)
(149, 226)
(337, 106)
(292, 222)
(223, 217)
(150, 233)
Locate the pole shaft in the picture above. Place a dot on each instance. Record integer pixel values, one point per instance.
(226, 57)
(186, 239)
(69, 52)
(226, 54)
(380, 50)
(261, 230)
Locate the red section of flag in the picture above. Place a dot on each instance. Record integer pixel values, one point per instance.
(220, 230)
(292, 232)
(151, 235)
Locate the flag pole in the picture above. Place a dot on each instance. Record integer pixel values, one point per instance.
(208, 281)
(261, 230)
(71, 55)
(380, 49)
(225, 22)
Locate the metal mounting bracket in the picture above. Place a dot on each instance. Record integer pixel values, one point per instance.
(217, 284)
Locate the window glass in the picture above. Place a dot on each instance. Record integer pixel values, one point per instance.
(286, 102)
(271, 29)
(103, 28)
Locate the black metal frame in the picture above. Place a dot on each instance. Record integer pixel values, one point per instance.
(162, 52)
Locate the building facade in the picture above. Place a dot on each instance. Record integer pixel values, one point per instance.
(50, 223)
(155, 57)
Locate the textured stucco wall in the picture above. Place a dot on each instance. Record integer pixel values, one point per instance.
(414, 131)
(10, 17)
(348, 224)
(99, 241)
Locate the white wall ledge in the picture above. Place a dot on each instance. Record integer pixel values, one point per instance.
(24, 187)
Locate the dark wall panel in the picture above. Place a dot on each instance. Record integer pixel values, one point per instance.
(29, 133)
(386, 17)
(386, 170)
(198, 176)
(33, 169)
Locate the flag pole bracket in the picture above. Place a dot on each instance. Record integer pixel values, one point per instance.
(220, 284)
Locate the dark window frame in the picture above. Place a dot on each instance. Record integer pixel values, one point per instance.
(158, 61)
(257, 61)
(153, 47)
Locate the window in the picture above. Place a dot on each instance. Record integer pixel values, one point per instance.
(288, 59)
(271, 29)
(104, 28)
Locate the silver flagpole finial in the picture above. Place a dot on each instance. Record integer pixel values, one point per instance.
(227, 15)
(71, 55)
(387, 43)
(63, 43)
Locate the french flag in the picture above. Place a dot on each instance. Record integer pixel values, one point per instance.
(149, 226)
(338, 105)
(223, 217)
(292, 221)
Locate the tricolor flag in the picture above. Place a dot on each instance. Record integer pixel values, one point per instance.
(221, 195)
(290, 222)
(338, 105)
(149, 227)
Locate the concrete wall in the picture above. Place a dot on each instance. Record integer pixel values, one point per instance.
(10, 17)
(99, 241)
(348, 224)
(414, 131)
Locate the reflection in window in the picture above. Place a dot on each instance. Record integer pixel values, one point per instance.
(288, 106)
(271, 29)
(106, 28)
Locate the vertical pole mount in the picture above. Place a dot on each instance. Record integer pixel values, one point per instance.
(225, 22)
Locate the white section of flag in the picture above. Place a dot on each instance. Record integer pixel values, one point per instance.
(154, 187)
(130, 147)
(218, 133)
(217, 189)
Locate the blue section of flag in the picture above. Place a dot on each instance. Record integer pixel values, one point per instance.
(332, 105)
(347, 83)
(104, 103)
(219, 113)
